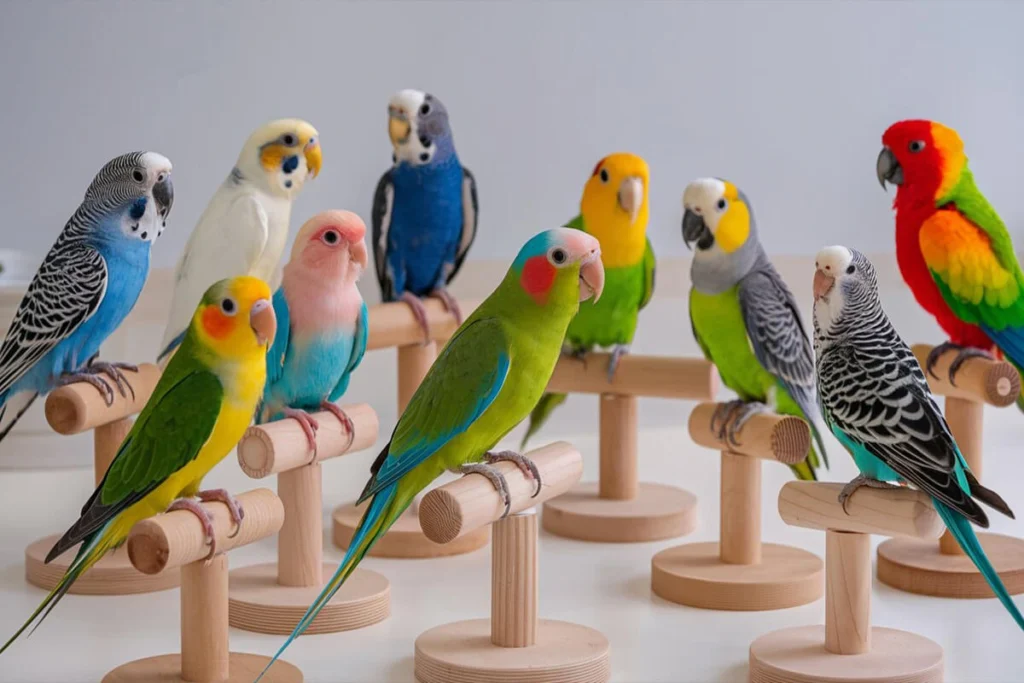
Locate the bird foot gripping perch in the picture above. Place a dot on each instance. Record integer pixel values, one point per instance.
(91, 375)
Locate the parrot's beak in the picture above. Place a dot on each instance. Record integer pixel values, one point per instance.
(357, 252)
(262, 321)
(591, 276)
(696, 230)
(314, 157)
(398, 126)
(888, 168)
(823, 284)
(163, 193)
(631, 196)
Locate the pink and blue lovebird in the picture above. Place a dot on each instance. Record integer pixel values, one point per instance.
(86, 286)
(322, 323)
(424, 209)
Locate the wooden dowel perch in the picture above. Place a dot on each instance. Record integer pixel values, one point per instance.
(653, 376)
(457, 508)
(766, 436)
(80, 406)
(393, 324)
(994, 382)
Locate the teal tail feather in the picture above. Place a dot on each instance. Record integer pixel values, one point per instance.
(372, 526)
(540, 414)
(964, 534)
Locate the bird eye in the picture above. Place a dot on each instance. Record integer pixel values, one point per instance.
(850, 269)
(604, 175)
(161, 177)
(558, 256)
(138, 176)
(916, 146)
(288, 139)
(330, 237)
(424, 110)
(424, 156)
(425, 141)
(721, 204)
(229, 306)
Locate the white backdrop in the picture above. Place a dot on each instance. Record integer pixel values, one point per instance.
(788, 99)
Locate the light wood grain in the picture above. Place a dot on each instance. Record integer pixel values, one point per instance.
(995, 382)
(654, 376)
(413, 363)
(471, 502)
(902, 512)
(768, 436)
(393, 324)
(657, 512)
(106, 440)
(204, 620)
(514, 572)
(618, 447)
(740, 509)
(80, 406)
(281, 445)
(405, 538)
(300, 545)
(112, 575)
(167, 669)
(175, 539)
(847, 592)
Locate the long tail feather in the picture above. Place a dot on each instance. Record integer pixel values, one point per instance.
(964, 534)
(88, 555)
(12, 407)
(378, 518)
(540, 414)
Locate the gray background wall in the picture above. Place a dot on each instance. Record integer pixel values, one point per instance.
(788, 99)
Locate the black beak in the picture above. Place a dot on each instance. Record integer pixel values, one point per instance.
(163, 193)
(888, 169)
(696, 230)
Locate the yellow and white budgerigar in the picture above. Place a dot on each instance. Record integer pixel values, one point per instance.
(244, 229)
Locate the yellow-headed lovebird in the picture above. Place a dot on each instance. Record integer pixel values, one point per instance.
(614, 210)
(483, 383)
(200, 408)
(744, 317)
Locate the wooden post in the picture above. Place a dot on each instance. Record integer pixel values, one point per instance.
(204, 620)
(847, 592)
(618, 448)
(740, 514)
(513, 640)
(300, 545)
(965, 420)
(413, 363)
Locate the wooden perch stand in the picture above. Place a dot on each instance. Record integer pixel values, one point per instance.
(172, 540)
(272, 598)
(73, 409)
(513, 645)
(618, 508)
(393, 325)
(942, 569)
(854, 651)
(739, 572)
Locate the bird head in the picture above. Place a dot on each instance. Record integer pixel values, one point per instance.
(137, 188)
(235, 317)
(330, 245)
(717, 217)
(562, 262)
(418, 128)
(614, 207)
(280, 156)
(923, 159)
(843, 277)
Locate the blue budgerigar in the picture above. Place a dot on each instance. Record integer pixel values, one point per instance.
(875, 399)
(86, 285)
(425, 206)
(322, 323)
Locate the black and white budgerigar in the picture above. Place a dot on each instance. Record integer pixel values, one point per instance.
(244, 229)
(86, 285)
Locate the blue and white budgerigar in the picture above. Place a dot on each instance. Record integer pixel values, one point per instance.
(322, 322)
(244, 229)
(425, 207)
(876, 401)
(86, 285)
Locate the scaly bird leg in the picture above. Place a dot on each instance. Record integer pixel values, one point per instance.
(525, 465)
(309, 426)
(204, 519)
(964, 353)
(856, 483)
(720, 418)
(618, 351)
(113, 371)
(84, 376)
(234, 507)
(496, 478)
(418, 312)
(343, 418)
(450, 304)
(740, 418)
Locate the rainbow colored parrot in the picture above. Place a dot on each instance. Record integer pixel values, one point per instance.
(952, 247)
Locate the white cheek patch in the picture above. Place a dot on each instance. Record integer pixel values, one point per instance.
(148, 227)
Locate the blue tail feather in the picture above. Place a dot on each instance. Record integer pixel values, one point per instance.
(964, 534)
(175, 343)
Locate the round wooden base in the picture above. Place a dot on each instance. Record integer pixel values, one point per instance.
(798, 655)
(919, 567)
(258, 603)
(244, 668)
(694, 575)
(112, 575)
(404, 539)
(462, 652)
(658, 512)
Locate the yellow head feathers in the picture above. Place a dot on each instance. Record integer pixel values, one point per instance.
(722, 209)
(285, 152)
(614, 208)
(235, 318)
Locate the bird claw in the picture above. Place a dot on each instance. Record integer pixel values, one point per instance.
(618, 351)
(234, 507)
(964, 353)
(740, 418)
(309, 426)
(720, 418)
(345, 420)
(204, 519)
(525, 465)
(577, 353)
(114, 372)
(450, 304)
(859, 481)
(418, 312)
(84, 376)
(496, 478)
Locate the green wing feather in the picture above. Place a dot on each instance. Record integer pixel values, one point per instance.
(576, 223)
(649, 269)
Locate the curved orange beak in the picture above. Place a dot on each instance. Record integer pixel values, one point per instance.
(314, 157)
(591, 275)
(263, 321)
